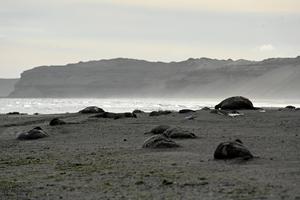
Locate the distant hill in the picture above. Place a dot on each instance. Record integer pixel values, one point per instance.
(7, 86)
(203, 77)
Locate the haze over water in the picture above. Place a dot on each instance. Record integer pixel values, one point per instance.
(72, 105)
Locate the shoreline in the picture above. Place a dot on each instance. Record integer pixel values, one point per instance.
(147, 112)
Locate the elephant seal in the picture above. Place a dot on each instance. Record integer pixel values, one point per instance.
(91, 110)
(33, 134)
(159, 141)
(232, 149)
(235, 103)
(57, 122)
(178, 133)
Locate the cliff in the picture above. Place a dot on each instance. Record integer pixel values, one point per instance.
(204, 77)
(7, 86)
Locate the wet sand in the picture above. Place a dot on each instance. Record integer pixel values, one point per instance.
(104, 158)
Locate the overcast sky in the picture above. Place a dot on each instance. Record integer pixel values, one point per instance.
(51, 32)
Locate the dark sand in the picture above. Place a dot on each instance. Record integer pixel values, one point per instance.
(103, 158)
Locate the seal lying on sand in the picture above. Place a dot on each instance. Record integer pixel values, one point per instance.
(125, 115)
(178, 133)
(110, 115)
(171, 132)
(232, 149)
(57, 122)
(136, 111)
(205, 108)
(160, 112)
(288, 108)
(33, 134)
(159, 129)
(235, 103)
(183, 111)
(91, 110)
(159, 141)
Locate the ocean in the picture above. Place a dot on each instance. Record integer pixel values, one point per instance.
(71, 105)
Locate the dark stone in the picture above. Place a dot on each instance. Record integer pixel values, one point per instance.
(185, 111)
(33, 134)
(159, 141)
(232, 149)
(166, 182)
(158, 113)
(57, 122)
(139, 182)
(159, 129)
(178, 133)
(138, 111)
(235, 103)
(91, 110)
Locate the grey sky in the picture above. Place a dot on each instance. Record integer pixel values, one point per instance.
(40, 32)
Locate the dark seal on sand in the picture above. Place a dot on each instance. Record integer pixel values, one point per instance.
(159, 129)
(125, 115)
(205, 108)
(235, 103)
(110, 115)
(185, 111)
(290, 107)
(33, 134)
(57, 122)
(13, 113)
(136, 111)
(232, 149)
(160, 112)
(91, 110)
(16, 113)
(178, 133)
(159, 141)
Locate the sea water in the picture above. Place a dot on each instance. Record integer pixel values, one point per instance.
(71, 105)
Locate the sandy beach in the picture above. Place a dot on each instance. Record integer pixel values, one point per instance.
(104, 158)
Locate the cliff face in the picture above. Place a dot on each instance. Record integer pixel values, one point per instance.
(7, 86)
(271, 78)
